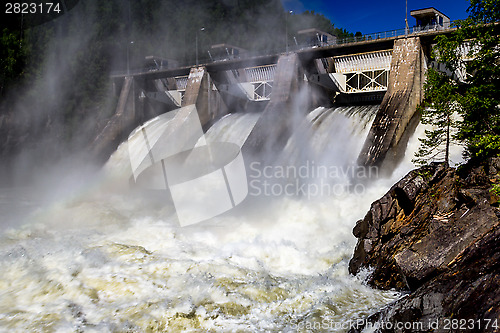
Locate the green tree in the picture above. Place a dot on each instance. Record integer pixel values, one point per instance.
(439, 110)
(480, 96)
(12, 58)
(472, 57)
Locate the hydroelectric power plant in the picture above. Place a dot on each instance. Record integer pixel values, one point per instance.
(229, 195)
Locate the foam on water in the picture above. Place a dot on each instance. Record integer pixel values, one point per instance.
(113, 260)
(264, 272)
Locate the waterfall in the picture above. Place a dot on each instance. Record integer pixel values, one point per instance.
(330, 135)
(233, 128)
(109, 259)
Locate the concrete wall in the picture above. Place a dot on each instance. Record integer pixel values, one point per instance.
(399, 105)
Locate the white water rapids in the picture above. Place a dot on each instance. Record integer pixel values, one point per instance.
(105, 259)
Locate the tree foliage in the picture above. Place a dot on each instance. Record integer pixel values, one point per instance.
(439, 110)
(12, 58)
(110, 30)
(472, 56)
(310, 19)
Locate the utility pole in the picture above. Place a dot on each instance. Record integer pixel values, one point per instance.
(202, 29)
(128, 39)
(128, 65)
(406, 19)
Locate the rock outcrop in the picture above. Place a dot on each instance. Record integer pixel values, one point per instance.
(436, 235)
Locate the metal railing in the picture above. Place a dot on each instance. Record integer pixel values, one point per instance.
(363, 62)
(392, 33)
(260, 73)
(279, 50)
(181, 82)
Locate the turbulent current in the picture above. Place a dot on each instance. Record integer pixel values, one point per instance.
(104, 258)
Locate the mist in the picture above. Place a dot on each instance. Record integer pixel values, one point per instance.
(64, 98)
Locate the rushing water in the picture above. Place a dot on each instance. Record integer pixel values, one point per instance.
(233, 128)
(106, 259)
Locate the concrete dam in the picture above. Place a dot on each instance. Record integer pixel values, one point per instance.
(278, 91)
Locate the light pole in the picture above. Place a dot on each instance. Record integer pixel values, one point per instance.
(128, 66)
(202, 29)
(286, 28)
(128, 38)
(406, 19)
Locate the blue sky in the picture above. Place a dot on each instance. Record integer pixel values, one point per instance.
(375, 16)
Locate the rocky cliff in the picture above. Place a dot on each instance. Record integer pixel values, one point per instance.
(435, 234)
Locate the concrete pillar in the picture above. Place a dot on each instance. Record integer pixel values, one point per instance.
(118, 125)
(273, 127)
(200, 93)
(400, 102)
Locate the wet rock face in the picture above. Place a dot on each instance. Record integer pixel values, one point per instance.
(435, 234)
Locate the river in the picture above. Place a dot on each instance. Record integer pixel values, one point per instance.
(96, 256)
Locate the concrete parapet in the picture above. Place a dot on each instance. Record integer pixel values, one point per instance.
(399, 105)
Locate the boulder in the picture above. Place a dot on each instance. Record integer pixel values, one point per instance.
(434, 234)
